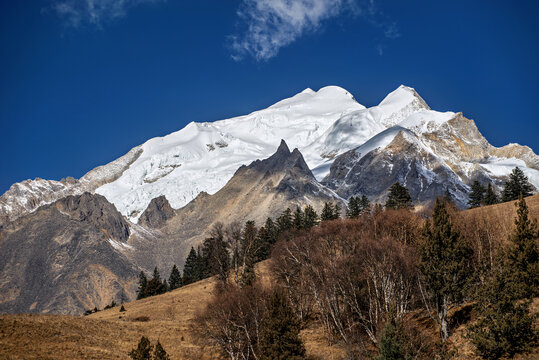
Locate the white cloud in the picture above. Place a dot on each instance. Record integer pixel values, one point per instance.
(269, 25)
(95, 12)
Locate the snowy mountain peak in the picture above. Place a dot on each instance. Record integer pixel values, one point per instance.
(399, 104)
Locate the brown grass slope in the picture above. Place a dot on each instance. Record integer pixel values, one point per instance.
(110, 334)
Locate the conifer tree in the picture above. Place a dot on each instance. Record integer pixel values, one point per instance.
(504, 326)
(155, 286)
(310, 218)
(354, 207)
(365, 204)
(143, 350)
(392, 345)
(142, 286)
(336, 212)
(215, 254)
(330, 211)
(516, 185)
(522, 259)
(490, 197)
(160, 353)
(298, 220)
(284, 222)
(444, 266)
(191, 268)
(248, 253)
(175, 279)
(279, 335)
(477, 195)
(399, 197)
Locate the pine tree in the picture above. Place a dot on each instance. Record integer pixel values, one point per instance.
(142, 286)
(516, 185)
(490, 197)
(284, 222)
(330, 211)
(215, 254)
(477, 195)
(522, 259)
(191, 268)
(298, 220)
(248, 253)
(155, 286)
(160, 353)
(399, 197)
(279, 335)
(504, 326)
(365, 204)
(175, 279)
(354, 207)
(392, 345)
(310, 218)
(444, 266)
(143, 350)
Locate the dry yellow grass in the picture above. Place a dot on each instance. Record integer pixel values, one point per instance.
(110, 334)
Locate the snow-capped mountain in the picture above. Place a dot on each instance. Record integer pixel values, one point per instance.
(323, 125)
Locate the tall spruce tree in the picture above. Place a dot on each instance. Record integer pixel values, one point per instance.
(279, 334)
(399, 197)
(298, 220)
(354, 207)
(504, 326)
(155, 286)
(517, 184)
(521, 259)
(160, 353)
(490, 197)
(284, 222)
(477, 195)
(143, 350)
(365, 204)
(215, 254)
(191, 271)
(444, 266)
(310, 217)
(248, 253)
(142, 286)
(175, 279)
(392, 345)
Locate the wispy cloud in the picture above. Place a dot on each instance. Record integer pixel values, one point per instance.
(93, 12)
(269, 25)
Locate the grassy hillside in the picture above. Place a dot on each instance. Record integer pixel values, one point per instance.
(110, 334)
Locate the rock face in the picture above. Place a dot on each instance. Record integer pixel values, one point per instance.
(66, 257)
(157, 213)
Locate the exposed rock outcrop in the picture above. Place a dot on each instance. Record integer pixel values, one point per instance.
(157, 213)
(66, 257)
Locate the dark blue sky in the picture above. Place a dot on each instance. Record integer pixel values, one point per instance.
(79, 88)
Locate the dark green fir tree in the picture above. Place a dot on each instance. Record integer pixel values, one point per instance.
(310, 218)
(476, 195)
(143, 350)
(279, 335)
(517, 184)
(142, 286)
(399, 197)
(160, 353)
(175, 279)
(444, 266)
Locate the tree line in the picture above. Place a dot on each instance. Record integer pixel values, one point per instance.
(363, 277)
